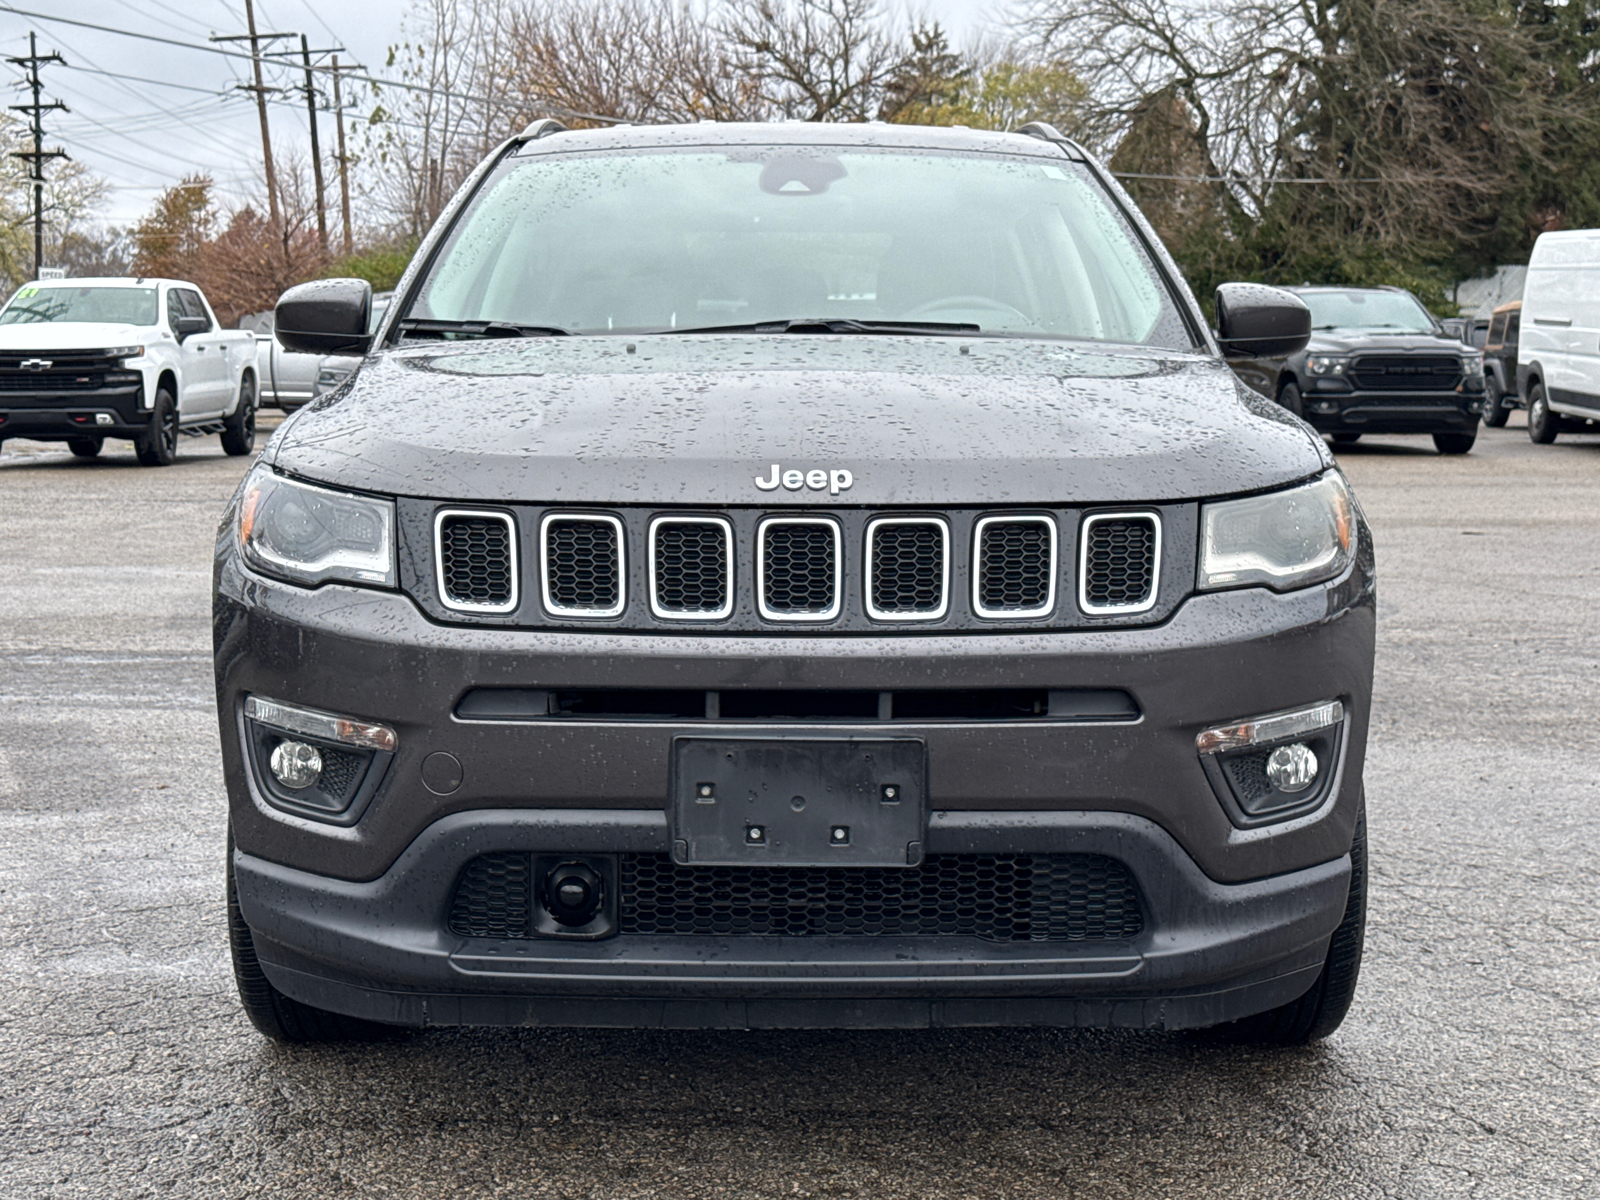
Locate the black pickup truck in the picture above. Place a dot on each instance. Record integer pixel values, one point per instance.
(1377, 362)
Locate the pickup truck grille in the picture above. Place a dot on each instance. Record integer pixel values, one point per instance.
(1406, 373)
(842, 569)
(993, 897)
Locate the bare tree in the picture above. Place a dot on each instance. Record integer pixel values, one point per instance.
(814, 60)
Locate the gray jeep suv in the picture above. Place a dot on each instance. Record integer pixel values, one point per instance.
(797, 575)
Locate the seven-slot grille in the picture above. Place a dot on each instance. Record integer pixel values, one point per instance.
(1119, 563)
(477, 561)
(691, 567)
(1016, 567)
(908, 569)
(995, 897)
(582, 564)
(1406, 373)
(799, 565)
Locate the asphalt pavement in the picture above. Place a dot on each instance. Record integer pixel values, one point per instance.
(1469, 1066)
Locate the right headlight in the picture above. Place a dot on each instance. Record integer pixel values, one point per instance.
(310, 535)
(1285, 540)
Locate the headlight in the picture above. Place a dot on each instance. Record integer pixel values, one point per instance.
(1285, 540)
(1472, 366)
(310, 535)
(1326, 364)
(332, 376)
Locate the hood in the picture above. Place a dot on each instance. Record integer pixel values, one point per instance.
(698, 419)
(1369, 341)
(71, 335)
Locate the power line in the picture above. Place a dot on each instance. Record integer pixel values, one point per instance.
(182, 87)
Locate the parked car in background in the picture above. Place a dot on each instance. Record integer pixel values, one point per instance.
(85, 359)
(1558, 357)
(1377, 362)
(336, 368)
(288, 380)
(1500, 364)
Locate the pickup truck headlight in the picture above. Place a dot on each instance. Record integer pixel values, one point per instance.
(1472, 366)
(1326, 364)
(1284, 540)
(309, 535)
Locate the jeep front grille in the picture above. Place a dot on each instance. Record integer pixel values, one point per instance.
(1120, 562)
(908, 561)
(691, 568)
(477, 559)
(800, 568)
(993, 897)
(582, 565)
(1016, 571)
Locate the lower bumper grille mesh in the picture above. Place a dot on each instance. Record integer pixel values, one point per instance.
(995, 897)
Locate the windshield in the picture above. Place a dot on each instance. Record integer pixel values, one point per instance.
(1399, 312)
(67, 305)
(688, 239)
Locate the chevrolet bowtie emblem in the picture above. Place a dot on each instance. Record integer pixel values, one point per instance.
(36, 364)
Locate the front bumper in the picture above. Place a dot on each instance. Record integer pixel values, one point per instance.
(1347, 411)
(52, 416)
(354, 918)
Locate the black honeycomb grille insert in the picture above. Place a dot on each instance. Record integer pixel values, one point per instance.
(908, 567)
(1015, 565)
(341, 771)
(475, 560)
(583, 563)
(1119, 562)
(691, 567)
(799, 568)
(997, 897)
(494, 898)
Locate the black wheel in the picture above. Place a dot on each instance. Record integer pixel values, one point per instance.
(157, 446)
(1322, 1009)
(1289, 397)
(1495, 412)
(239, 430)
(278, 1016)
(1346, 439)
(1454, 443)
(1543, 425)
(85, 447)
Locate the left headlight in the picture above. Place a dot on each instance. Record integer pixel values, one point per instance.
(1285, 540)
(1472, 366)
(309, 535)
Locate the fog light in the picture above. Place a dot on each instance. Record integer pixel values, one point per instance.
(1292, 768)
(296, 765)
(103, 419)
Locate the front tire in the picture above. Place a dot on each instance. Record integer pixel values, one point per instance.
(1454, 443)
(157, 446)
(85, 447)
(280, 1017)
(1290, 398)
(1322, 1009)
(239, 430)
(1346, 439)
(1543, 425)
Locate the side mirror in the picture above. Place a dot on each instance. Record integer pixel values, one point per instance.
(1257, 321)
(186, 327)
(328, 316)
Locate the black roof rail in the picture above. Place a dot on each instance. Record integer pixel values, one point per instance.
(1047, 132)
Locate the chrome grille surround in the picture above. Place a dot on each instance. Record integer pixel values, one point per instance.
(872, 573)
(981, 566)
(620, 572)
(1087, 549)
(723, 610)
(452, 600)
(767, 579)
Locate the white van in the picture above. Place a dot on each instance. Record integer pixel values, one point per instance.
(1558, 360)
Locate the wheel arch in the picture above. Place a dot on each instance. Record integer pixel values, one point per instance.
(167, 379)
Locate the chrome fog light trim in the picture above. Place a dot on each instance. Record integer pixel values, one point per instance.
(312, 723)
(1258, 731)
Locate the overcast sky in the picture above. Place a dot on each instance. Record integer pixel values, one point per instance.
(181, 112)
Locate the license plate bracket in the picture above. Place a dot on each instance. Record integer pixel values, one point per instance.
(784, 802)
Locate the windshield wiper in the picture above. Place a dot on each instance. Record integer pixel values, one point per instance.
(837, 325)
(483, 329)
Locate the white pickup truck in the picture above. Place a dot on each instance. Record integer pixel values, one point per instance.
(82, 360)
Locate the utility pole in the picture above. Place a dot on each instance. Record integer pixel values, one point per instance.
(36, 157)
(316, 150)
(260, 89)
(344, 159)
